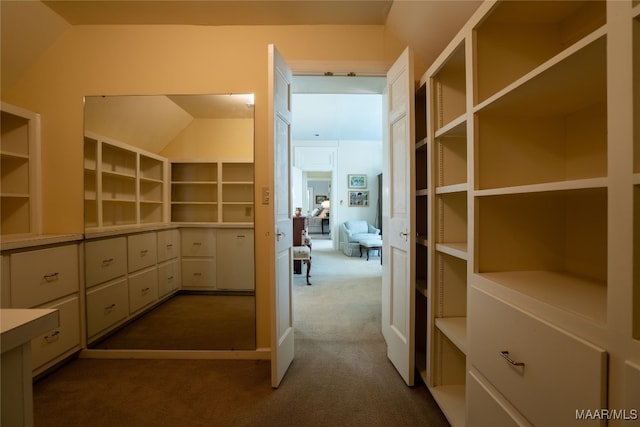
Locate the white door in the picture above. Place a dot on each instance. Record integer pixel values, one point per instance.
(398, 280)
(280, 140)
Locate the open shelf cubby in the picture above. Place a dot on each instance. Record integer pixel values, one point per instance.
(450, 286)
(451, 156)
(194, 212)
(449, 379)
(193, 171)
(558, 119)
(421, 337)
(422, 219)
(517, 37)
(451, 220)
(237, 212)
(636, 95)
(636, 262)
(237, 172)
(450, 89)
(551, 246)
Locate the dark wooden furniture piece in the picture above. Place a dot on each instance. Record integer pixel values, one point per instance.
(299, 225)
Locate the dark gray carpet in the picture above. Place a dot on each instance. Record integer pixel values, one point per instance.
(191, 322)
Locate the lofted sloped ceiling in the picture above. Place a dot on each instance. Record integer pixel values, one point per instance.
(425, 25)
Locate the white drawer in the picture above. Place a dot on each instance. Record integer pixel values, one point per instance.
(142, 251)
(198, 242)
(486, 409)
(65, 337)
(168, 277)
(106, 306)
(198, 273)
(561, 372)
(105, 260)
(43, 275)
(168, 244)
(143, 289)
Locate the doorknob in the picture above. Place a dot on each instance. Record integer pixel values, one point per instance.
(280, 234)
(405, 235)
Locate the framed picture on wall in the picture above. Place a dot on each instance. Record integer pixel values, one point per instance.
(359, 198)
(357, 181)
(320, 199)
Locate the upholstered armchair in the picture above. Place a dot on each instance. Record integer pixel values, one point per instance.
(353, 231)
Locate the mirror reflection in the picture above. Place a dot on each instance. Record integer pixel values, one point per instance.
(169, 212)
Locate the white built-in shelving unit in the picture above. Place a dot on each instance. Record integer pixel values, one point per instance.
(532, 157)
(19, 172)
(124, 185)
(213, 192)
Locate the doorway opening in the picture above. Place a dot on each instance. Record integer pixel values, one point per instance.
(337, 133)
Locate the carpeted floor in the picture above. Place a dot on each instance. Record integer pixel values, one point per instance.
(340, 376)
(191, 322)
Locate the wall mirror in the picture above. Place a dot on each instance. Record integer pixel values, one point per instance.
(176, 169)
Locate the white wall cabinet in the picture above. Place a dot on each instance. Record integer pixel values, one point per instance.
(526, 193)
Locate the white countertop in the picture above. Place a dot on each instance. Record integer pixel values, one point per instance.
(20, 325)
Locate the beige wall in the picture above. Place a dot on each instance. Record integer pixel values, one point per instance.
(110, 60)
(218, 139)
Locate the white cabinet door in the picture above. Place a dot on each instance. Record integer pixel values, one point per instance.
(235, 266)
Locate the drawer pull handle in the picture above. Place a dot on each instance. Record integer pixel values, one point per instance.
(108, 309)
(240, 236)
(197, 243)
(51, 277)
(169, 245)
(144, 252)
(197, 274)
(145, 291)
(505, 355)
(52, 337)
(170, 278)
(107, 261)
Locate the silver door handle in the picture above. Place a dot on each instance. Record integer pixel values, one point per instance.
(280, 234)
